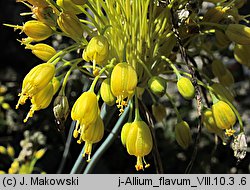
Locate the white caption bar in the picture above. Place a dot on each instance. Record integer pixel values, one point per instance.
(126, 182)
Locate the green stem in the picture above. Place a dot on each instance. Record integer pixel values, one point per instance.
(137, 110)
(173, 66)
(144, 66)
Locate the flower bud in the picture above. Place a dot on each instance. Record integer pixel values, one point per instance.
(42, 51)
(69, 6)
(222, 92)
(37, 79)
(123, 83)
(227, 79)
(41, 100)
(183, 134)
(39, 154)
(79, 2)
(139, 142)
(186, 88)
(92, 134)
(241, 54)
(97, 50)
(238, 33)
(45, 15)
(106, 92)
(159, 112)
(224, 116)
(70, 24)
(37, 30)
(157, 85)
(218, 68)
(222, 40)
(61, 109)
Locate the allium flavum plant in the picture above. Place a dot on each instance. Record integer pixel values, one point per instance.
(132, 48)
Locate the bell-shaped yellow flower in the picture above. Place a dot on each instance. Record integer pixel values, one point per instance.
(92, 134)
(224, 116)
(139, 142)
(123, 83)
(37, 79)
(85, 111)
(97, 50)
(41, 100)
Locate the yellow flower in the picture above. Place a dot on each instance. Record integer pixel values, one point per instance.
(92, 134)
(37, 79)
(41, 100)
(183, 134)
(224, 116)
(97, 50)
(85, 111)
(123, 83)
(139, 142)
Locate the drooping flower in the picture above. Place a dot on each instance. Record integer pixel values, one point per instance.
(92, 134)
(37, 79)
(97, 50)
(139, 142)
(123, 83)
(224, 116)
(41, 100)
(85, 111)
